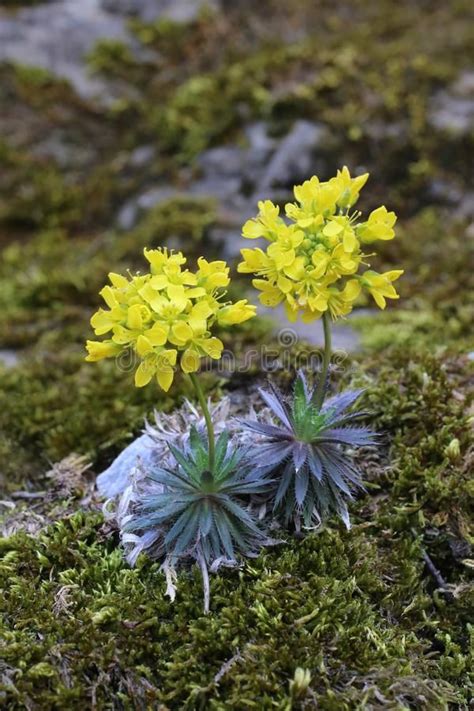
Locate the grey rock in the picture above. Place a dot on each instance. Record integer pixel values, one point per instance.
(131, 211)
(445, 192)
(142, 155)
(8, 358)
(344, 338)
(141, 452)
(223, 161)
(127, 215)
(452, 110)
(465, 208)
(154, 196)
(57, 36)
(224, 189)
(395, 131)
(293, 159)
(221, 170)
(228, 241)
(259, 140)
(150, 10)
(62, 151)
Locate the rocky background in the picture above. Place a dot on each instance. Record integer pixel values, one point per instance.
(132, 123)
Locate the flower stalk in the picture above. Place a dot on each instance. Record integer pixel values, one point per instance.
(207, 419)
(323, 377)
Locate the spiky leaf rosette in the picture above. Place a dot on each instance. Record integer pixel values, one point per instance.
(306, 451)
(192, 512)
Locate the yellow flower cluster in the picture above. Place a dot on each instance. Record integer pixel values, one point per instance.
(313, 259)
(166, 312)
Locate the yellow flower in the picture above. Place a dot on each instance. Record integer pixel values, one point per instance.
(161, 365)
(101, 349)
(283, 250)
(311, 264)
(212, 275)
(271, 295)
(316, 201)
(266, 224)
(380, 285)
(340, 227)
(349, 187)
(167, 312)
(378, 226)
(340, 303)
(236, 313)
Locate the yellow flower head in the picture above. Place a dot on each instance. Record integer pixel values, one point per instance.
(312, 262)
(166, 316)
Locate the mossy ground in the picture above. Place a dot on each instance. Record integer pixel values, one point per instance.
(362, 611)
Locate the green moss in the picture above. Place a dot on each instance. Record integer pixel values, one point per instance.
(60, 284)
(357, 609)
(210, 77)
(59, 404)
(107, 54)
(329, 604)
(181, 221)
(34, 192)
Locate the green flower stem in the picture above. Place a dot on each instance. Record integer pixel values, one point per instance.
(321, 387)
(207, 417)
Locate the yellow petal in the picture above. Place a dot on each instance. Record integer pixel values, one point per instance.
(332, 229)
(165, 379)
(101, 322)
(158, 282)
(157, 334)
(393, 275)
(119, 281)
(378, 298)
(252, 229)
(190, 361)
(349, 241)
(351, 290)
(144, 373)
(101, 349)
(134, 317)
(107, 293)
(213, 347)
(143, 346)
(284, 284)
(309, 316)
(122, 335)
(181, 332)
(291, 313)
(169, 356)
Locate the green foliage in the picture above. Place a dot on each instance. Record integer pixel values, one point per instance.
(35, 193)
(57, 404)
(329, 604)
(107, 54)
(176, 221)
(60, 284)
(198, 510)
(437, 294)
(303, 445)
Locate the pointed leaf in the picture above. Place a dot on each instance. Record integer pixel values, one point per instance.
(277, 406)
(301, 486)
